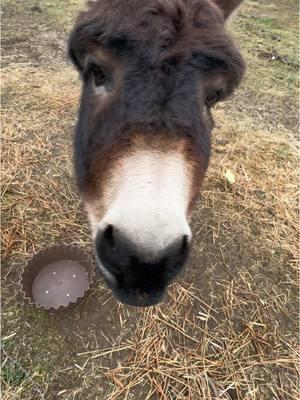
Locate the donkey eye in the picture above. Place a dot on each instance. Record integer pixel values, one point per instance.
(99, 76)
(213, 97)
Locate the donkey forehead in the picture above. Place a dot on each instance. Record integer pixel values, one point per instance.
(161, 24)
(133, 14)
(156, 31)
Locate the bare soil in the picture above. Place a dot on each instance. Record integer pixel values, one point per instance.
(228, 329)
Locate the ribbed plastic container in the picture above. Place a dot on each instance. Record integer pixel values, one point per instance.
(57, 278)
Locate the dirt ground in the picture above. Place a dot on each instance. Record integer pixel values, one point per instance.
(228, 328)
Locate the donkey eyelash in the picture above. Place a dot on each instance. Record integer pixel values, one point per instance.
(213, 97)
(99, 75)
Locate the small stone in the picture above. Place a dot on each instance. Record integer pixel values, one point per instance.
(36, 8)
(68, 294)
(74, 276)
(54, 273)
(46, 291)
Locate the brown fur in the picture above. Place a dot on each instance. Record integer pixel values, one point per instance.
(138, 142)
(162, 35)
(151, 71)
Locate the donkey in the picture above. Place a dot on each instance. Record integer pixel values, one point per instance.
(151, 71)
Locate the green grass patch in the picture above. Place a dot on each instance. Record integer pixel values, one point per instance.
(12, 374)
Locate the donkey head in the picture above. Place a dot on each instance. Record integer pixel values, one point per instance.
(151, 71)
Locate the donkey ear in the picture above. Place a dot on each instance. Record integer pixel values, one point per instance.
(227, 6)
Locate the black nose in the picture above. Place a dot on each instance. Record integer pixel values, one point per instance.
(137, 276)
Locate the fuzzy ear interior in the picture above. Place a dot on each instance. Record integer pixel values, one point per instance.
(227, 6)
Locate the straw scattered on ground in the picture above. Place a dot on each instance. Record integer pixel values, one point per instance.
(229, 327)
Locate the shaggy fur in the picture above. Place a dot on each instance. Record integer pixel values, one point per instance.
(151, 71)
(171, 54)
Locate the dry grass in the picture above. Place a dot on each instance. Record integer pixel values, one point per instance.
(228, 329)
(186, 349)
(175, 354)
(37, 161)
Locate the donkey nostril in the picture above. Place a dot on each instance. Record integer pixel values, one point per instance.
(106, 241)
(185, 244)
(108, 236)
(109, 248)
